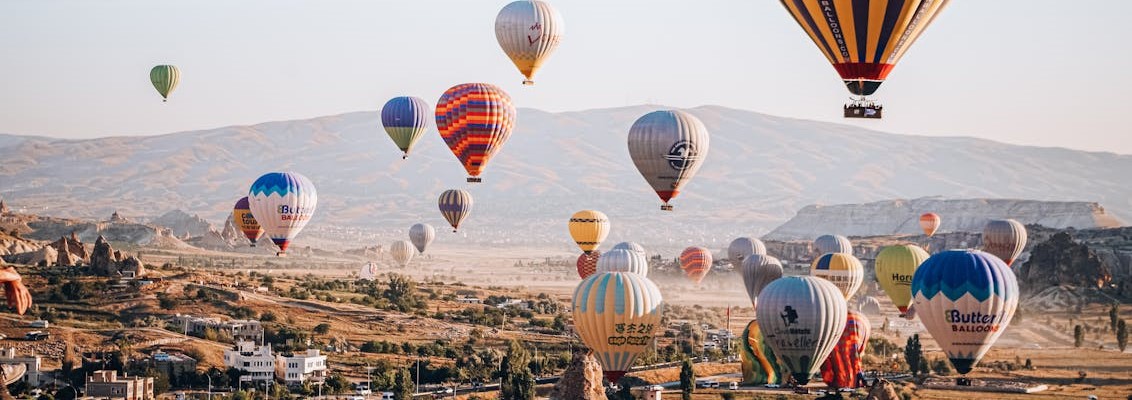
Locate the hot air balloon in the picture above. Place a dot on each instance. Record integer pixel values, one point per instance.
(841, 368)
(869, 305)
(801, 317)
(617, 314)
(421, 235)
(826, 244)
(759, 270)
(165, 78)
(405, 119)
(695, 261)
(475, 119)
(1005, 238)
(589, 228)
(844, 270)
(369, 271)
(528, 31)
(620, 260)
(402, 252)
(631, 246)
(895, 266)
(758, 362)
(242, 216)
(282, 203)
(929, 222)
(965, 299)
(587, 263)
(668, 147)
(863, 39)
(455, 205)
(742, 247)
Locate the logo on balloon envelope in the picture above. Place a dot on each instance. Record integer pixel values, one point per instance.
(971, 322)
(288, 213)
(681, 155)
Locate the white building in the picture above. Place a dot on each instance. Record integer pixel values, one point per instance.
(305, 367)
(239, 329)
(33, 376)
(258, 363)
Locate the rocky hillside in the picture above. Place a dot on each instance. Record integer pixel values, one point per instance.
(902, 217)
(760, 171)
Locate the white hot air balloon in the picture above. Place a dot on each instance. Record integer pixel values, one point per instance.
(631, 246)
(621, 260)
(402, 252)
(282, 203)
(802, 318)
(528, 31)
(742, 247)
(759, 270)
(421, 235)
(369, 271)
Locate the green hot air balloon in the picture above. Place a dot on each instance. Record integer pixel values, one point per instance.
(165, 79)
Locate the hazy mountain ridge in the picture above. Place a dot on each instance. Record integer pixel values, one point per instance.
(760, 170)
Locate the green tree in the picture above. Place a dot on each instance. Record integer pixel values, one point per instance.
(1121, 335)
(322, 328)
(913, 354)
(74, 290)
(1113, 315)
(403, 385)
(241, 395)
(336, 383)
(1078, 336)
(687, 379)
(517, 382)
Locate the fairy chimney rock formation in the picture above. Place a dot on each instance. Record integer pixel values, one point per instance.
(581, 380)
(101, 260)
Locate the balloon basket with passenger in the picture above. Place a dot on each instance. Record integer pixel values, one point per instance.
(862, 107)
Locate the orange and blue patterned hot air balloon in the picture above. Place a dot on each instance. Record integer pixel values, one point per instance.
(840, 370)
(475, 119)
(696, 263)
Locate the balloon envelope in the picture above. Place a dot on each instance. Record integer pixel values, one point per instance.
(421, 235)
(455, 205)
(668, 147)
(841, 368)
(165, 78)
(759, 270)
(965, 299)
(802, 318)
(621, 260)
(588, 228)
(245, 221)
(587, 263)
(631, 246)
(895, 266)
(869, 305)
(929, 222)
(528, 31)
(759, 364)
(696, 262)
(475, 119)
(282, 203)
(405, 119)
(863, 39)
(826, 244)
(402, 252)
(1005, 238)
(617, 314)
(843, 270)
(369, 271)
(742, 247)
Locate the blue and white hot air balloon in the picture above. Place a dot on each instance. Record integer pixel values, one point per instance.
(966, 299)
(282, 203)
(621, 260)
(633, 246)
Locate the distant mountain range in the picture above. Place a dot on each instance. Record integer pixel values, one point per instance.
(760, 171)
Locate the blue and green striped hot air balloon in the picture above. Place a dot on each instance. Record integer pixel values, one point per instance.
(405, 119)
(165, 78)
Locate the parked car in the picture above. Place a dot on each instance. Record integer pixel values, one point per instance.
(733, 386)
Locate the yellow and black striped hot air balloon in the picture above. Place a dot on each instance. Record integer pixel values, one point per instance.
(864, 39)
(165, 78)
(589, 228)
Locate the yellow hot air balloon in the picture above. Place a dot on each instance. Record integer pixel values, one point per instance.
(895, 266)
(589, 228)
(844, 270)
(617, 315)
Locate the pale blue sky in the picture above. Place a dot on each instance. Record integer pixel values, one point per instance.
(1039, 72)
